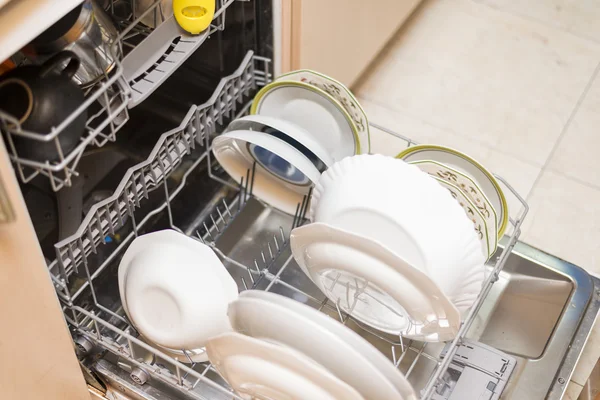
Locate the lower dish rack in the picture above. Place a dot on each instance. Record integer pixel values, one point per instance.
(180, 186)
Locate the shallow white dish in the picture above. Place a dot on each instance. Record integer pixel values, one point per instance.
(407, 211)
(373, 284)
(467, 165)
(344, 353)
(342, 94)
(257, 369)
(470, 189)
(290, 133)
(175, 290)
(315, 111)
(283, 174)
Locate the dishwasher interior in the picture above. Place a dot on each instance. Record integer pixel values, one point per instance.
(158, 172)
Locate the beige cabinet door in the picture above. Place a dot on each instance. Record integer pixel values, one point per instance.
(339, 38)
(37, 360)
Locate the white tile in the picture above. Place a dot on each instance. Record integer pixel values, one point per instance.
(577, 153)
(589, 357)
(564, 220)
(415, 130)
(573, 391)
(496, 78)
(519, 174)
(578, 17)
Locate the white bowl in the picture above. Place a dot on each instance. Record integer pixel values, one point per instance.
(283, 175)
(407, 211)
(175, 290)
(290, 133)
(275, 318)
(374, 284)
(263, 370)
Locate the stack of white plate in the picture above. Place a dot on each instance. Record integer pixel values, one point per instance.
(283, 349)
(392, 247)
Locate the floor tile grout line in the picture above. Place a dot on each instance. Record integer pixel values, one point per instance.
(475, 140)
(575, 179)
(538, 21)
(565, 129)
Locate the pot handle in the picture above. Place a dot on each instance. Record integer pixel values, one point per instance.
(58, 58)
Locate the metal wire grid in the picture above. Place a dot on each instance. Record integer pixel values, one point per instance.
(169, 51)
(132, 26)
(105, 217)
(109, 114)
(110, 97)
(99, 324)
(261, 272)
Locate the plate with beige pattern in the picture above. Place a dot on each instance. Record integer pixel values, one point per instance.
(342, 95)
(468, 187)
(484, 232)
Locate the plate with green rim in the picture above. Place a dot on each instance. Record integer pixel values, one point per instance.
(470, 189)
(484, 232)
(314, 110)
(342, 94)
(468, 166)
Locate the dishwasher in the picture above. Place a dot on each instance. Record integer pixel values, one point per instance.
(145, 164)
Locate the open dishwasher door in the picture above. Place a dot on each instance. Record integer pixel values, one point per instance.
(37, 359)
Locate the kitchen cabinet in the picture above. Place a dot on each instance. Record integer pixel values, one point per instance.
(339, 38)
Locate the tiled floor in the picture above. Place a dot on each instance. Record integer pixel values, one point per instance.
(515, 85)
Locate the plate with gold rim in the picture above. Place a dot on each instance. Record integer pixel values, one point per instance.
(315, 111)
(342, 94)
(468, 166)
(470, 189)
(486, 234)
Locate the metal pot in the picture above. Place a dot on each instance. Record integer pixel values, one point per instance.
(88, 32)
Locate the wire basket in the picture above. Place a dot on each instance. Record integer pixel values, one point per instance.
(151, 56)
(270, 266)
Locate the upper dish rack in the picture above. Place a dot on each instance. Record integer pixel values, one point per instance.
(146, 65)
(266, 262)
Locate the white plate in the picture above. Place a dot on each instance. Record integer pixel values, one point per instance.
(344, 353)
(486, 233)
(470, 189)
(467, 165)
(373, 284)
(289, 133)
(260, 370)
(175, 290)
(342, 94)
(315, 111)
(406, 210)
(283, 174)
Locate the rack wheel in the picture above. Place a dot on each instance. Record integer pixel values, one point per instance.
(139, 376)
(83, 345)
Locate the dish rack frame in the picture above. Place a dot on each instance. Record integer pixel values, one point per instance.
(97, 325)
(114, 93)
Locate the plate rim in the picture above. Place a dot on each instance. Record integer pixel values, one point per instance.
(254, 108)
(251, 346)
(341, 237)
(340, 84)
(485, 171)
(475, 209)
